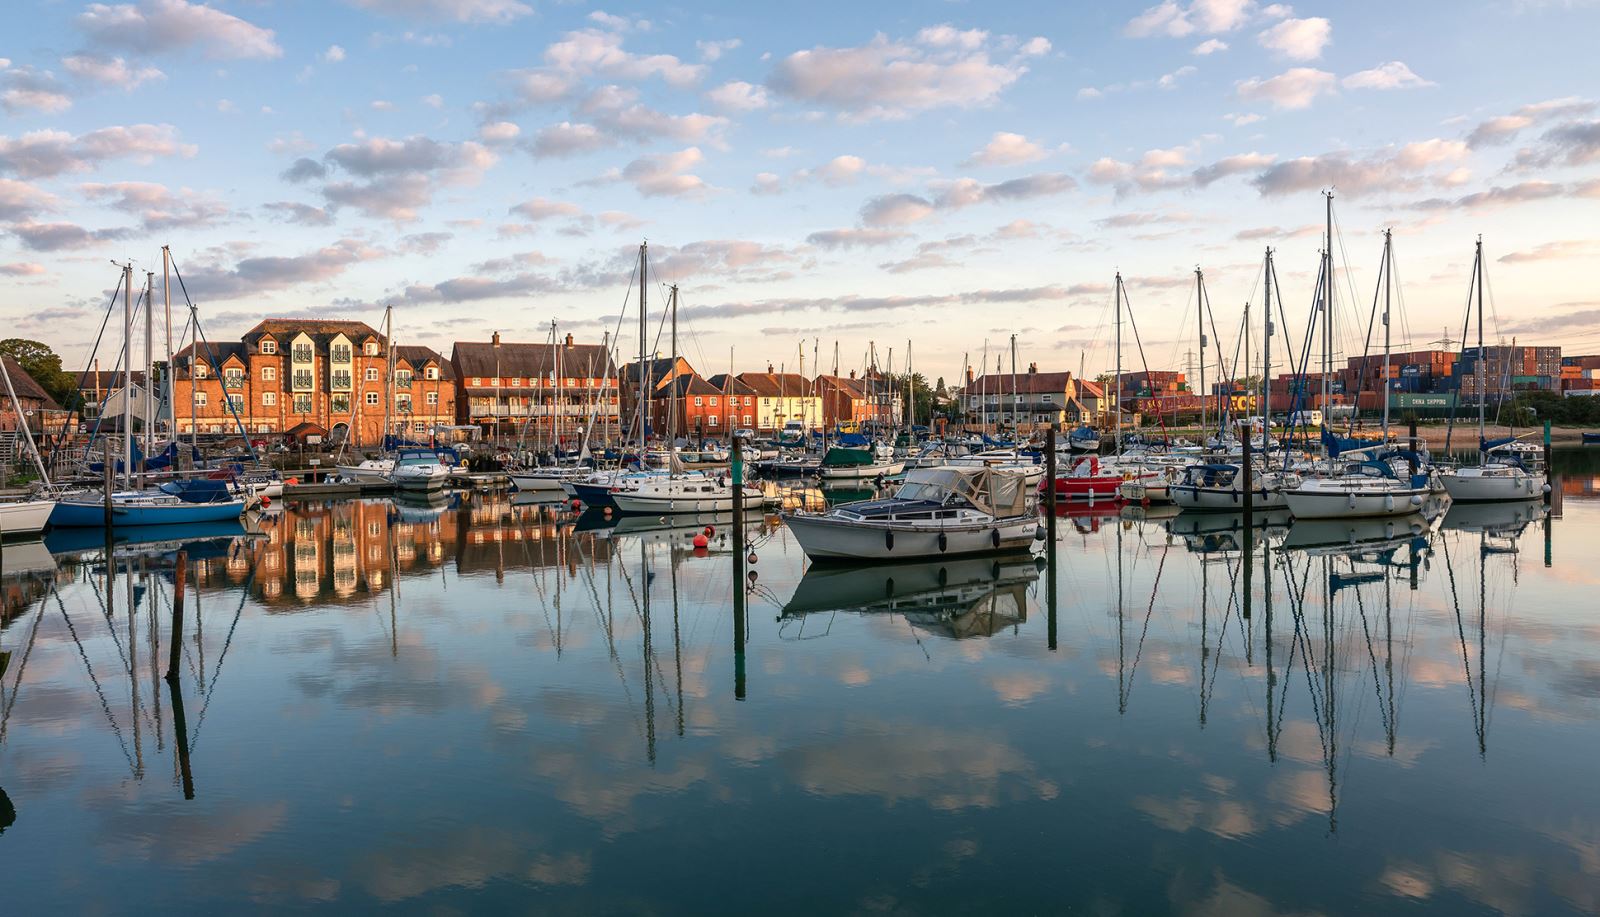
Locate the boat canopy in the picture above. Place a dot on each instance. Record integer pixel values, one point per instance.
(998, 491)
(839, 457)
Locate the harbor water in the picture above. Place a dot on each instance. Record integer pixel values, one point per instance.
(482, 705)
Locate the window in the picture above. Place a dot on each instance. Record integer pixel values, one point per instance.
(199, 399)
(340, 353)
(433, 399)
(372, 399)
(747, 420)
(713, 420)
(340, 380)
(431, 373)
(402, 403)
(236, 402)
(747, 403)
(339, 404)
(516, 382)
(269, 373)
(419, 427)
(269, 398)
(713, 400)
(302, 404)
(233, 378)
(477, 380)
(303, 378)
(698, 401)
(372, 374)
(402, 378)
(268, 345)
(572, 383)
(370, 348)
(302, 353)
(200, 370)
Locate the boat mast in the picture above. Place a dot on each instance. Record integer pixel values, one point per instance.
(1482, 369)
(388, 382)
(672, 404)
(1116, 400)
(171, 397)
(1327, 312)
(1388, 279)
(149, 362)
(1014, 427)
(555, 394)
(911, 396)
(1200, 322)
(127, 374)
(1266, 356)
(646, 377)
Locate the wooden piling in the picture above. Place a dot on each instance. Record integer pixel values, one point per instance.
(110, 476)
(1050, 535)
(180, 577)
(736, 473)
(1548, 487)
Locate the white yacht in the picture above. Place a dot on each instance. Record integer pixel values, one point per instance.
(1216, 486)
(419, 469)
(683, 495)
(1362, 488)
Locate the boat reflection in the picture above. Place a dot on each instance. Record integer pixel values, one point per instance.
(1204, 533)
(955, 599)
(1494, 518)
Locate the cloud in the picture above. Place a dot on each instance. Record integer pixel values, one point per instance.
(1297, 39)
(894, 79)
(154, 26)
(377, 156)
(156, 206)
(333, 55)
(591, 52)
(1571, 248)
(1231, 165)
(1395, 169)
(834, 239)
(22, 200)
(1173, 20)
(1209, 46)
(304, 169)
(1575, 143)
(1007, 149)
(1497, 196)
(666, 174)
(1500, 129)
(28, 89)
(470, 11)
(855, 303)
(614, 116)
(1497, 130)
(256, 275)
(42, 154)
(1170, 80)
(49, 237)
(543, 209)
(738, 96)
(1294, 88)
(498, 132)
(398, 176)
(21, 269)
(713, 50)
(109, 71)
(568, 139)
(303, 214)
(1150, 218)
(896, 210)
(1392, 75)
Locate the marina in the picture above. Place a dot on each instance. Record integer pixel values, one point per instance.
(471, 701)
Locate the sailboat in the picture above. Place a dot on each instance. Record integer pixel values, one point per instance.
(1499, 475)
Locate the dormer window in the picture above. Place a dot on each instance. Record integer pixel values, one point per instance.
(370, 348)
(302, 353)
(431, 372)
(200, 370)
(269, 346)
(340, 353)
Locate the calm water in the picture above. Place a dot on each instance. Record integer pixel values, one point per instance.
(488, 706)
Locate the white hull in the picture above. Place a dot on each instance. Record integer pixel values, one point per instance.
(424, 478)
(1330, 503)
(1465, 486)
(367, 472)
(861, 472)
(25, 516)
(673, 503)
(824, 538)
(1225, 499)
(541, 483)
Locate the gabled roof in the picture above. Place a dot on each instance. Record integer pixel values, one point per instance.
(282, 329)
(29, 390)
(775, 385)
(729, 384)
(220, 351)
(97, 380)
(483, 360)
(855, 388)
(1091, 389)
(658, 370)
(688, 385)
(418, 356)
(1026, 383)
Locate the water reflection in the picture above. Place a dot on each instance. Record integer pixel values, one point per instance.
(487, 704)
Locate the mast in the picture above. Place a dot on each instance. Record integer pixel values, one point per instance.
(1200, 322)
(646, 377)
(1266, 357)
(171, 396)
(555, 393)
(388, 380)
(1327, 312)
(127, 374)
(149, 361)
(1014, 428)
(1483, 368)
(911, 396)
(1116, 400)
(672, 394)
(1388, 278)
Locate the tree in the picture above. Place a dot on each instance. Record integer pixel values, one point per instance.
(43, 365)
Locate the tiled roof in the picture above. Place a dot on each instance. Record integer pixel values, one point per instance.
(483, 360)
(100, 380)
(281, 329)
(658, 370)
(855, 388)
(775, 385)
(689, 385)
(417, 355)
(1026, 383)
(29, 390)
(725, 383)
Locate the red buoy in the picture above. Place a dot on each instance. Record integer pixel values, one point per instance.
(576, 503)
(701, 541)
(710, 530)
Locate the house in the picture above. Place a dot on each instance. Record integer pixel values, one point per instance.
(97, 386)
(537, 390)
(738, 402)
(781, 398)
(850, 400)
(703, 409)
(39, 411)
(658, 372)
(1032, 400)
(307, 373)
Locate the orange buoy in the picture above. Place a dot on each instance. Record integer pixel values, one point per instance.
(266, 501)
(701, 541)
(711, 530)
(576, 503)
(752, 557)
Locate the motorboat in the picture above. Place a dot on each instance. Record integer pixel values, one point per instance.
(948, 511)
(1367, 487)
(368, 471)
(1217, 486)
(1084, 439)
(599, 489)
(1090, 478)
(848, 463)
(23, 517)
(1009, 459)
(548, 480)
(419, 469)
(684, 495)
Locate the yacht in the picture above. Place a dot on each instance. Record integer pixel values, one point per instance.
(1366, 487)
(845, 463)
(1216, 486)
(1501, 476)
(419, 469)
(19, 517)
(1009, 459)
(367, 471)
(684, 495)
(946, 511)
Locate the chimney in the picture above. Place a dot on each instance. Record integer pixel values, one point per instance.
(769, 369)
(496, 339)
(1033, 368)
(969, 377)
(852, 374)
(569, 339)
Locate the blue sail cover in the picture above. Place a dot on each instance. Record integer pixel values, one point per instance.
(1338, 444)
(199, 490)
(852, 439)
(1484, 445)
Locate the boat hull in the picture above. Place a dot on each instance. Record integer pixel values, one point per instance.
(1096, 487)
(26, 516)
(681, 503)
(1225, 499)
(861, 472)
(1468, 488)
(91, 514)
(1354, 504)
(839, 540)
(534, 483)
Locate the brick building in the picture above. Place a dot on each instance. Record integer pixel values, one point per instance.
(40, 411)
(308, 376)
(537, 389)
(1032, 399)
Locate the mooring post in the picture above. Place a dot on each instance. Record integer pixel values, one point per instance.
(1050, 534)
(1548, 487)
(736, 473)
(109, 477)
(1249, 521)
(1249, 479)
(180, 577)
(1412, 444)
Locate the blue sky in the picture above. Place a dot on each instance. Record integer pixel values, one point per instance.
(943, 173)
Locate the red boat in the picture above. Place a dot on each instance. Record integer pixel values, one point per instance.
(1087, 480)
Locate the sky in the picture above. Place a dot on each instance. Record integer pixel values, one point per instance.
(932, 175)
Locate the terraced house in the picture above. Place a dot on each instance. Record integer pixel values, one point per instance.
(308, 378)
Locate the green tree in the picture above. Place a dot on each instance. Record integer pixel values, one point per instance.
(43, 365)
